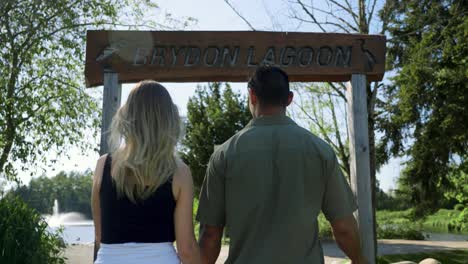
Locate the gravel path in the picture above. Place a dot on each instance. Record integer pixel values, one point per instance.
(83, 253)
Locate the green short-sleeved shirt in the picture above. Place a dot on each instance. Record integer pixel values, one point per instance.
(267, 184)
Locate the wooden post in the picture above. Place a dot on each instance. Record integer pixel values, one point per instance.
(359, 165)
(110, 105)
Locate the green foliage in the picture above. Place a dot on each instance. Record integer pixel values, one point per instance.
(43, 103)
(24, 238)
(398, 225)
(392, 201)
(72, 190)
(460, 223)
(390, 225)
(402, 225)
(214, 115)
(441, 221)
(399, 232)
(397, 217)
(458, 182)
(325, 229)
(425, 116)
(459, 207)
(446, 257)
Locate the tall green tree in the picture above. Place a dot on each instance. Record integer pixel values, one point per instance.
(214, 114)
(72, 191)
(426, 116)
(43, 103)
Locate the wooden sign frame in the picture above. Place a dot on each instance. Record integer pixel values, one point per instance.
(232, 56)
(116, 57)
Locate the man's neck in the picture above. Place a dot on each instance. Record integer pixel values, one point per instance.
(270, 111)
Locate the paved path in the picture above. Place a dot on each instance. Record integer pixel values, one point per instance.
(83, 253)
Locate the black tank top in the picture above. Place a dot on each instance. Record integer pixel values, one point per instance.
(148, 221)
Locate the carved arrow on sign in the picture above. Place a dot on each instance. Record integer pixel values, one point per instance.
(112, 49)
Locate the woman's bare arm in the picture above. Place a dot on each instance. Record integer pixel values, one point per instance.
(95, 202)
(187, 247)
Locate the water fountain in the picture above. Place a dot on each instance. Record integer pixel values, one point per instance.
(76, 228)
(65, 219)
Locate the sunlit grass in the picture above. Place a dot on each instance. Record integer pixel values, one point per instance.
(399, 224)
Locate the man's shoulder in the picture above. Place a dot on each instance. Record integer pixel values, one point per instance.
(249, 134)
(313, 142)
(228, 144)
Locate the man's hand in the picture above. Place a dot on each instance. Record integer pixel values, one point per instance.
(210, 243)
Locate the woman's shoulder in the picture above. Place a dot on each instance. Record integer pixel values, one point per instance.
(98, 173)
(182, 174)
(182, 170)
(102, 159)
(182, 179)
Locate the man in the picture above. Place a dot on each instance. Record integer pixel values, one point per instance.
(268, 183)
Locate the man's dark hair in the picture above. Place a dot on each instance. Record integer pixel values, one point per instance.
(271, 85)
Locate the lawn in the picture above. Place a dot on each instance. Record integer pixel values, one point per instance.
(436, 223)
(391, 224)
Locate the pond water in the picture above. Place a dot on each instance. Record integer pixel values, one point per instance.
(77, 234)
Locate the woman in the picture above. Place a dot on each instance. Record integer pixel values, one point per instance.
(142, 193)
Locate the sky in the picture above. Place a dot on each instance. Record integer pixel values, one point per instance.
(215, 15)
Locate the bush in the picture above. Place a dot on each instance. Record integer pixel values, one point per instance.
(460, 223)
(442, 221)
(24, 237)
(398, 225)
(325, 230)
(459, 207)
(398, 232)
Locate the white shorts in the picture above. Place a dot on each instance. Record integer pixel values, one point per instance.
(137, 253)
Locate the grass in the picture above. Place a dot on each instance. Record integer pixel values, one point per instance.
(436, 223)
(392, 224)
(445, 257)
(439, 221)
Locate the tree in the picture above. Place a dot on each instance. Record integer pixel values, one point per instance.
(214, 115)
(426, 118)
(43, 103)
(458, 187)
(72, 190)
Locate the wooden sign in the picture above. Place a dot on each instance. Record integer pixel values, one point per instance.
(199, 56)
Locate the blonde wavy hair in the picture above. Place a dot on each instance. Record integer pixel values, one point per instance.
(143, 136)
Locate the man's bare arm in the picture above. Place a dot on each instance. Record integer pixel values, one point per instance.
(210, 243)
(346, 235)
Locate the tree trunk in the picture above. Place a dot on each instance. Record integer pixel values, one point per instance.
(10, 130)
(9, 138)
